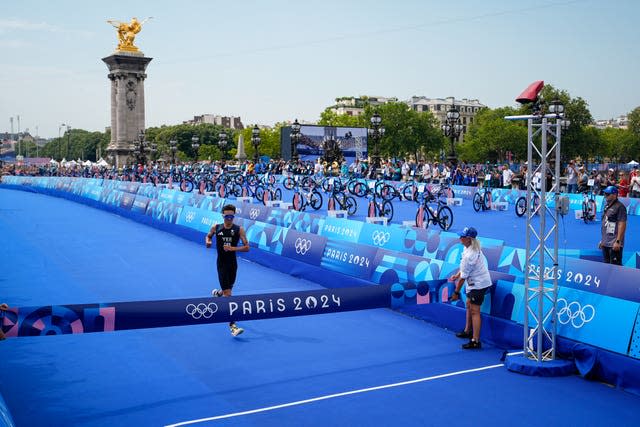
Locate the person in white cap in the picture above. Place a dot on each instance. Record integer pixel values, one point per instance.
(473, 269)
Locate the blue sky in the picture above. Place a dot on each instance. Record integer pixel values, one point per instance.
(269, 61)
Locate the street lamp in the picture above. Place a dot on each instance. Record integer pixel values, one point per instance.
(295, 139)
(255, 140)
(195, 145)
(375, 133)
(141, 148)
(222, 142)
(68, 139)
(173, 145)
(60, 141)
(452, 128)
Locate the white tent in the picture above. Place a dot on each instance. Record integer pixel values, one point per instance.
(102, 163)
(72, 163)
(87, 163)
(633, 163)
(53, 162)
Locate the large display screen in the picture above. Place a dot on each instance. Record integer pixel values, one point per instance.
(315, 139)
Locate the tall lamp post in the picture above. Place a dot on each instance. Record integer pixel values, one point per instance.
(141, 148)
(195, 145)
(376, 132)
(68, 139)
(222, 142)
(295, 139)
(255, 140)
(173, 145)
(60, 141)
(452, 128)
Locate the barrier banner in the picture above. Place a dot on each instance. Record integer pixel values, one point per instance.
(341, 229)
(382, 236)
(140, 204)
(349, 258)
(86, 318)
(127, 200)
(305, 247)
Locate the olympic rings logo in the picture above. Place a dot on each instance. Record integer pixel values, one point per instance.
(190, 216)
(380, 238)
(201, 310)
(575, 313)
(253, 213)
(302, 246)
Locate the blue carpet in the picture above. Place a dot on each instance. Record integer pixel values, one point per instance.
(57, 252)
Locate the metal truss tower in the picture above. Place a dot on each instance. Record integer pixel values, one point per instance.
(541, 276)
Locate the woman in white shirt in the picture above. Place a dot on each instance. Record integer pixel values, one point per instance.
(473, 269)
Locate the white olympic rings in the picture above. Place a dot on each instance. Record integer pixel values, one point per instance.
(575, 313)
(380, 238)
(302, 246)
(201, 310)
(190, 216)
(253, 213)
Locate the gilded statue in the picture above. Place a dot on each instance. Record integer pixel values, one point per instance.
(127, 33)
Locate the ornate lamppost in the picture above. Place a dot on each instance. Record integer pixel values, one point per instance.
(376, 133)
(452, 128)
(222, 142)
(195, 145)
(295, 139)
(141, 147)
(173, 145)
(255, 140)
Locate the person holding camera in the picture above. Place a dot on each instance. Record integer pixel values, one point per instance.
(473, 270)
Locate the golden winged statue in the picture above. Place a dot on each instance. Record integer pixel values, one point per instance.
(127, 33)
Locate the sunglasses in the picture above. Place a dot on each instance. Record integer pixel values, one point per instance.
(229, 217)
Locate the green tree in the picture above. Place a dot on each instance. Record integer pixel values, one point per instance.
(490, 136)
(634, 121)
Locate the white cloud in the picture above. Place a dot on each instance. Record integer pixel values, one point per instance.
(13, 44)
(13, 25)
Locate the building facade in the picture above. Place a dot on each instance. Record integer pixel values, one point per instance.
(224, 121)
(354, 106)
(468, 108)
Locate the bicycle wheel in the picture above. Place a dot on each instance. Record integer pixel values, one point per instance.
(237, 190)
(592, 209)
(277, 194)
(266, 196)
(351, 205)
(521, 206)
(387, 192)
(445, 217)
(186, 186)
(289, 183)
(331, 203)
(316, 200)
(486, 199)
(359, 189)
(387, 210)
(410, 192)
(477, 202)
(259, 192)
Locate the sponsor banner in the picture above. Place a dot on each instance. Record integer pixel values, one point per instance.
(149, 191)
(127, 200)
(382, 236)
(341, 229)
(113, 198)
(586, 317)
(166, 195)
(140, 204)
(349, 258)
(182, 198)
(305, 247)
(465, 192)
(92, 192)
(86, 318)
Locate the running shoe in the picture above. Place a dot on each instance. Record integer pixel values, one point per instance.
(216, 292)
(464, 334)
(235, 330)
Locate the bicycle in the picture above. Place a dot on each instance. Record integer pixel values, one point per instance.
(378, 208)
(312, 198)
(521, 204)
(483, 201)
(342, 201)
(425, 215)
(589, 207)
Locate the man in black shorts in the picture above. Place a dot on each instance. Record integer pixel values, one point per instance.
(227, 236)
